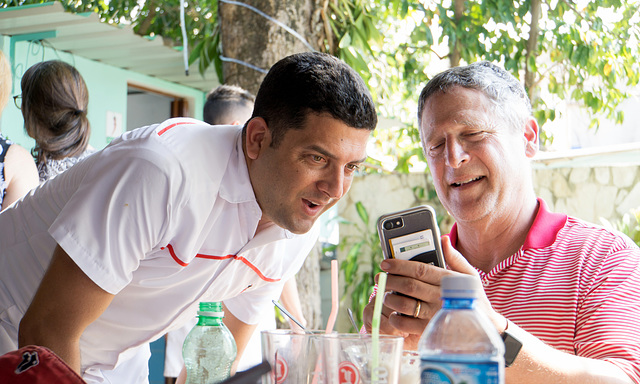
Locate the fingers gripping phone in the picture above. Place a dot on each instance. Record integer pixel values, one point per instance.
(411, 234)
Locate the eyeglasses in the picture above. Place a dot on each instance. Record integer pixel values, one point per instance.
(17, 100)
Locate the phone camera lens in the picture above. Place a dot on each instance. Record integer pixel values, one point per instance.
(388, 224)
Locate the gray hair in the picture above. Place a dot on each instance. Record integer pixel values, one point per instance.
(506, 93)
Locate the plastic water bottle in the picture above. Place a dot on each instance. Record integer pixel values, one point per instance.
(460, 345)
(209, 349)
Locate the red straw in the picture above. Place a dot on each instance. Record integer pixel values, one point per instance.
(335, 300)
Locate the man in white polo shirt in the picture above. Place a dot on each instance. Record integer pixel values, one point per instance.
(121, 248)
(563, 293)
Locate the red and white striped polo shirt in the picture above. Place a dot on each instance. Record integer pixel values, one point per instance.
(575, 286)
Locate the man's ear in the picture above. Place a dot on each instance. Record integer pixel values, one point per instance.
(531, 131)
(258, 136)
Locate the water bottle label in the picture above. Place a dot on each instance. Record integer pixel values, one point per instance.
(448, 372)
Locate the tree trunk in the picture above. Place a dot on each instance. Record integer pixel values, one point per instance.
(251, 38)
(260, 42)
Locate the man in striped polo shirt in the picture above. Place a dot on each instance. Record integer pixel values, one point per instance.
(566, 291)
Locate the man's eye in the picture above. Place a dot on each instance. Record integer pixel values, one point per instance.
(436, 147)
(317, 158)
(353, 167)
(476, 134)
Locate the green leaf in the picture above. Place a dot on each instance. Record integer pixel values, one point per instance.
(345, 41)
(362, 213)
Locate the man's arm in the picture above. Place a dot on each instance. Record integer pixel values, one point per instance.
(66, 302)
(291, 302)
(241, 333)
(539, 363)
(536, 363)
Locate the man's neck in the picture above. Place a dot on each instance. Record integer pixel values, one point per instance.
(488, 242)
(262, 225)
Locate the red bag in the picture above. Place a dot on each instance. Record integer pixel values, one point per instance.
(35, 365)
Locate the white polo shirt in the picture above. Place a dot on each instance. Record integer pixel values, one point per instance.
(163, 218)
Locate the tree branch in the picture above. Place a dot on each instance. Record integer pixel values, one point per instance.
(532, 46)
(143, 26)
(327, 27)
(458, 12)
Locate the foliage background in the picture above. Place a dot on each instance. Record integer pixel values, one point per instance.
(585, 51)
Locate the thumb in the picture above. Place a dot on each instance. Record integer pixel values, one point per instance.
(454, 259)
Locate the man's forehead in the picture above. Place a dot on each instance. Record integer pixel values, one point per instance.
(460, 107)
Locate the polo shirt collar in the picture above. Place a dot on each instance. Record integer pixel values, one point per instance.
(236, 184)
(543, 232)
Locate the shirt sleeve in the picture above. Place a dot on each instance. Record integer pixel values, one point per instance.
(607, 323)
(248, 306)
(119, 212)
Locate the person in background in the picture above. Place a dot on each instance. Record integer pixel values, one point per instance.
(120, 248)
(563, 293)
(54, 107)
(228, 105)
(18, 174)
(231, 105)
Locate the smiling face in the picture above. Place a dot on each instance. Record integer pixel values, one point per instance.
(307, 172)
(480, 165)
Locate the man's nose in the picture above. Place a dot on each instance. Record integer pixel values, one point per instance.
(456, 155)
(332, 184)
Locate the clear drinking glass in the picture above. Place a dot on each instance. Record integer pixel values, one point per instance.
(294, 356)
(351, 358)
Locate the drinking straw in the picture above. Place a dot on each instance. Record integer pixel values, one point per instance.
(284, 311)
(353, 321)
(335, 300)
(375, 326)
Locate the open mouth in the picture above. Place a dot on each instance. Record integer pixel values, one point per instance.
(460, 184)
(310, 204)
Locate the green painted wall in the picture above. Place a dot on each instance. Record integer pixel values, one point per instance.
(107, 90)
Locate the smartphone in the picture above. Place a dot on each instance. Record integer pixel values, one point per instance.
(411, 234)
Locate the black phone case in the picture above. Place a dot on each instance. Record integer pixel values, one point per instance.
(415, 219)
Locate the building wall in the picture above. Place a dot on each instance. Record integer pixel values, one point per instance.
(591, 193)
(107, 91)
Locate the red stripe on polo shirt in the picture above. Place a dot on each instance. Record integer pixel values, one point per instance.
(173, 254)
(168, 127)
(211, 257)
(242, 259)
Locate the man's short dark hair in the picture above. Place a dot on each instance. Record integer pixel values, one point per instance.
(225, 103)
(312, 82)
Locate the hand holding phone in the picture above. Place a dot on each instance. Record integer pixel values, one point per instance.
(411, 234)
